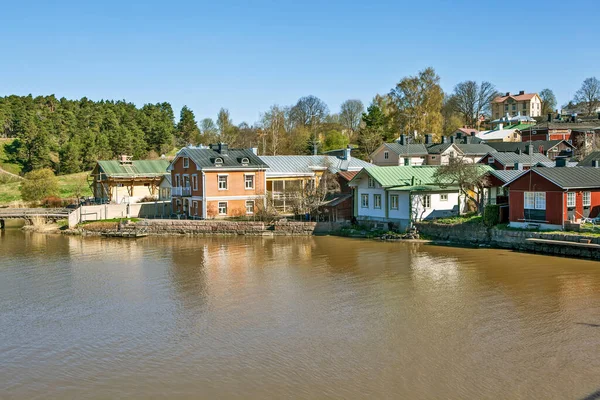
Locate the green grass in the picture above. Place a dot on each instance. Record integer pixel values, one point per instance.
(4, 164)
(471, 218)
(586, 231)
(68, 186)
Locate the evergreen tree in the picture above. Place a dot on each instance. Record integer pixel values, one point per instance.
(187, 129)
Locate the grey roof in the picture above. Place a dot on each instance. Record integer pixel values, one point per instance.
(416, 149)
(571, 178)
(585, 125)
(552, 164)
(205, 158)
(513, 158)
(290, 165)
(587, 162)
(506, 175)
(475, 149)
(516, 146)
(438, 148)
(167, 178)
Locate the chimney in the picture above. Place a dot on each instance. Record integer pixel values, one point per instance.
(428, 139)
(518, 166)
(467, 139)
(255, 150)
(223, 149)
(519, 151)
(550, 117)
(507, 94)
(595, 163)
(521, 92)
(529, 149)
(573, 117)
(314, 148)
(347, 153)
(459, 134)
(452, 138)
(402, 139)
(561, 162)
(500, 126)
(473, 133)
(444, 140)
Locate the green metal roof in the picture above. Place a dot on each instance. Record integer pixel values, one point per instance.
(138, 168)
(424, 188)
(403, 175)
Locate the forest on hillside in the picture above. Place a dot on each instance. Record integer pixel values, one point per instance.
(69, 136)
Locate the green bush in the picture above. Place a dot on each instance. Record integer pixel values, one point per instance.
(39, 184)
(491, 215)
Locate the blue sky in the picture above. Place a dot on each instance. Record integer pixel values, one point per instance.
(248, 55)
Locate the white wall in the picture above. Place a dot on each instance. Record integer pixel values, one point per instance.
(414, 161)
(403, 211)
(371, 212)
(438, 208)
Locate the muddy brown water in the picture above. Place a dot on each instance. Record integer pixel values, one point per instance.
(314, 317)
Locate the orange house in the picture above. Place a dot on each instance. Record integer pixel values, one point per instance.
(217, 182)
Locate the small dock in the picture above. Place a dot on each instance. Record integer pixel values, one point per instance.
(564, 243)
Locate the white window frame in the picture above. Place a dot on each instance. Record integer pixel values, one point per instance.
(364, 200)
(184, 180)
(245, 161)
(246, 176)
(371, 182)
(248, 202)
(195, 207)
(529, 200)
(540, 200)
(177, 180)
(186, 162)
(426, 200)
(394, 202)
(386, 155)
(444, 197)
(226, 186)
(219, 207)
(218, 161)
(571, 199)
(491, 160)
(587, 199)
(195, 182)
(377, 199)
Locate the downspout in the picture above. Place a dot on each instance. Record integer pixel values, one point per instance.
(387, 209)
(562, 204)
(203, 195)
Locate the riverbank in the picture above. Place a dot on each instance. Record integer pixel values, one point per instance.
(567, 244)
(209, 227)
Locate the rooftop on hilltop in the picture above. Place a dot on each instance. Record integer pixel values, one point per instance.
(220, 156)
(515, 147)
(510, 159)
(522, 96)
(303, 164)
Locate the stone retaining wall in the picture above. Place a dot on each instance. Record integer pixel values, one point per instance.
(210, 227)
(476, 234)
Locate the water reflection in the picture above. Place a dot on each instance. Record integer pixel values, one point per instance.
(251, 317)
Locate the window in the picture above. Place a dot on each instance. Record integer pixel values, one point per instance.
(540, 200)
(524, 106)
(364, 200)
(249, 181)
(587, 199)
(222, 208)
(371, 182)
(195, 207)
(377, 201)
(394, 202)
(386, 155)
(177, 181)
(444, 197)
(426, 201)
(218, 161)
(186, 162)
(514, 107)
(222, 182)
(245, 161)
(195, 182)
(571, 199)
(249, 206)
(452, 154)
(491, 160)
(529, 201)
(407, 162)
(186, 181)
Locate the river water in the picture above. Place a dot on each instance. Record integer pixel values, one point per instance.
(315, 317)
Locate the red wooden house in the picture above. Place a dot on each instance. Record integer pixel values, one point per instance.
(551, 197)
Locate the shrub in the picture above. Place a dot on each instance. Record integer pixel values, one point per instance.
(53, 202)
(491, 215)
(148, 199)
(39, 184)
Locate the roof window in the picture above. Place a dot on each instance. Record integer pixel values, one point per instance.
(218, 161)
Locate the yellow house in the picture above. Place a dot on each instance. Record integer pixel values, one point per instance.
(527, 104)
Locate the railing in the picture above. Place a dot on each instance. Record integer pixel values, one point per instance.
(33, 212)
(181, 191)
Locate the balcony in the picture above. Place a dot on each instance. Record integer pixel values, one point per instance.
(181, 191)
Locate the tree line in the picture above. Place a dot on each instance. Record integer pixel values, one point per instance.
(69, 136)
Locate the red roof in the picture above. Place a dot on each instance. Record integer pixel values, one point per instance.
(518, 97)
(348, 175)
(468, 130)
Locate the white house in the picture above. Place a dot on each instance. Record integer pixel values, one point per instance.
(400, 152)
(402, 194)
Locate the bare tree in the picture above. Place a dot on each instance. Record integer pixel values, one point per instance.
(548, 101)
(471, 180)
(309, 111)
(273, 122)
(471, 100)
(589, 95)
(350, 115)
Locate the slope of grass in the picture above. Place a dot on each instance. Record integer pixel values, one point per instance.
(4, 164)
(68, 187)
